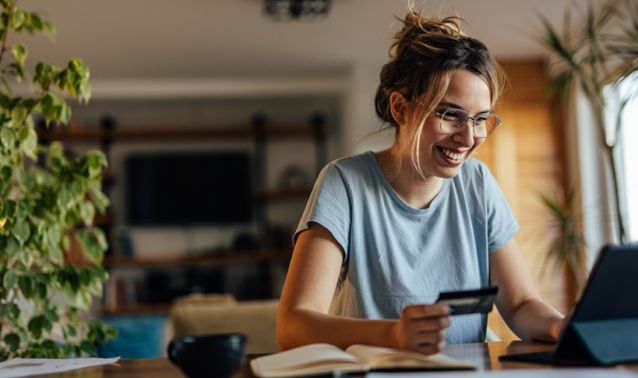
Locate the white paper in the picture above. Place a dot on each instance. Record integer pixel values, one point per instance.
(23, 367)
(518, 373)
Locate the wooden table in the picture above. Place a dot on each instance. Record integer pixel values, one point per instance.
(484, 355)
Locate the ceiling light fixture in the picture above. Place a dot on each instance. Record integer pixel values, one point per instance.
(285, 10)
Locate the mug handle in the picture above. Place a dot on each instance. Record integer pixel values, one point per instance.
(172, 353)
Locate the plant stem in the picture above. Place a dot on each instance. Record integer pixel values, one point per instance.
(610, 162)
(6, 30)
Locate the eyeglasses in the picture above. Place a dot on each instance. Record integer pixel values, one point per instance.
(455, 120)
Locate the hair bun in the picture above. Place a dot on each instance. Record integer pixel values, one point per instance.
(420, 33)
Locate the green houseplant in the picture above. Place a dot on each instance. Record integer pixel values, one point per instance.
(603, 52)
(567, 242)
(46, 200)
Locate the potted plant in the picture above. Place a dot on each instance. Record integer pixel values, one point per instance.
(46, 200)
(567, 242)
(604, 52)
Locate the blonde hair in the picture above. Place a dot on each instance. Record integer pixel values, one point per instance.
(423, 56)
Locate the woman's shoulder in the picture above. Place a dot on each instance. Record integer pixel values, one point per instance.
(473, 168)
(354, 161)
(351, 164)
(474, 176)
(351, 171)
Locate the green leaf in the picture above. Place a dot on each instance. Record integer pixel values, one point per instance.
(55, 253)
(51, 349)
(76, 80)
(91, 246)
(53, 234)
(13, 246)
(13, 311)
(64, 113)
(36, 326)
(35, 21)
(26, 258)
(26, 286)
(95, 161)
(19, 114)
(18, 19)
(41, 290)
(9, 280)
(17, 70)
(65, 199)
(88, 348)
(47, 106)
(6, 173)
(100, 200)
(21, 231)
(73, 280)
(20, 53)
(45, 75)
(48, 29)
(100, 332)
(5, 101)
(8, 137)
(52, 314)
(13, 341)
(29, 139)
(87, 213)
(71, 330)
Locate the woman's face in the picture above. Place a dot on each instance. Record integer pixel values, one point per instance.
(442, 155)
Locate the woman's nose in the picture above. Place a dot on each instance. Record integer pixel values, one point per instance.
(465, 136)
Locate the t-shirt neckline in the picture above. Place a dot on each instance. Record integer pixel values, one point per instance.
(436, 201)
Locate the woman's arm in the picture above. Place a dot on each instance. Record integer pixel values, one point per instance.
(518, 301)
(303, 318)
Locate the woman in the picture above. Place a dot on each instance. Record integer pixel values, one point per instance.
(383, 233)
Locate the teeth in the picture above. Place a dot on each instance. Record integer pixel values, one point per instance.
(456, 156)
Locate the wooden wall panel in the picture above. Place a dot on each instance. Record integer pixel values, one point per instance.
(524, 156)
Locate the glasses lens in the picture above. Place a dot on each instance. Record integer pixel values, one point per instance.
(484, 125)
(454, 120)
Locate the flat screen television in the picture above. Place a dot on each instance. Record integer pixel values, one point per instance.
(173, 189)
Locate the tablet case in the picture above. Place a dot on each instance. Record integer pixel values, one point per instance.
(604, 326)
(600, 342)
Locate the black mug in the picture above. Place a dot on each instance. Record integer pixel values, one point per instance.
(217, 355)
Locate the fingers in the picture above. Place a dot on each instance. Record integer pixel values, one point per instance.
(423, 327)
(425, 311)
(427, 342)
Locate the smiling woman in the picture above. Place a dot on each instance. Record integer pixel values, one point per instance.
(385, 232)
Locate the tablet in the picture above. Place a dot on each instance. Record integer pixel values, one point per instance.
(603, 327)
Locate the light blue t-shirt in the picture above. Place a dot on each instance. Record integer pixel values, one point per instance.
(396, 255)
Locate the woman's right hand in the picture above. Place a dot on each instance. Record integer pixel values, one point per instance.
(421, 328)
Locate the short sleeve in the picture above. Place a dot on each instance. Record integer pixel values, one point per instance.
(501, 223)
(328, 205)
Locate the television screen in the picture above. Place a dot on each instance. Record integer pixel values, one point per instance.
(189, 188)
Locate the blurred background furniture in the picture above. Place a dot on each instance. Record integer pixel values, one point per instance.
(205, 314)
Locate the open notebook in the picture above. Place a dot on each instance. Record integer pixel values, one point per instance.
(317, 359)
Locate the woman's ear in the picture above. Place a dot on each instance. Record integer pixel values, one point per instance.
(398, 107)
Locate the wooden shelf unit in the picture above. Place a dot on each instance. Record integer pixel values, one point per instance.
(218, 258)
(124, 133)
(259, 132)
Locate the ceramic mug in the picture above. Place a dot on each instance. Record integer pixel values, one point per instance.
(215, 355)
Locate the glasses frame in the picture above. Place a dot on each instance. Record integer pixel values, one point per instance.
(461, 125)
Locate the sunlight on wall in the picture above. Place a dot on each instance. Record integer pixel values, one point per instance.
(630, 156)
(627, 146)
